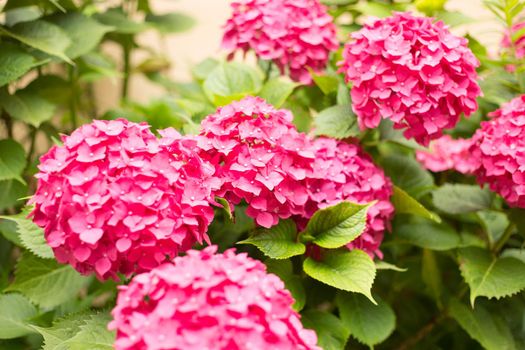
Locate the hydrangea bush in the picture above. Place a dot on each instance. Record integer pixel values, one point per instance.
(362, 185)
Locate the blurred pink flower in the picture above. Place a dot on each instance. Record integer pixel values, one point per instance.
(208, 301)
(261, 158)
(447, 153)
(343, 171)
(500, 147)
(412, 71)
(519, 43)
(295, 34)
(114, 199)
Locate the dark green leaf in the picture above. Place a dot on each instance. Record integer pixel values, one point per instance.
(15, 315)
(331, 333)
(460, 199)
(427, 234)
(406, 173)
(370, 324)
(12, 160)
(404, 204)
(28, 107)
(292, 282)
(10, 193)
(14, 62)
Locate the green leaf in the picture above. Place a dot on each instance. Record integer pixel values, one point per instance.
(490, 330)
(405, 204)
(331, 333)
(170, 22)
(51, 88)
(232, 81)
(353, 271)
(22, 14)
(427, 234)
(30, 234)
(406, 173)
(328, 83)
(383, 265)
(431, 275)
(94, 66)
(8, 229)
(28, 107)
(85, 33)
(45, 282)
(117, 19)
(12, 160)
(14, 62)
(516, 253)
(226, 208)
(277, 90)
(41, 35)
(494, 223)
(489, 276)
(453, 18)
(335, 226)
(204, 68)
(10, 193)
(460, 199)
(57, 336)
(370, 324)
(338, 122)
(16, 311)
(278, 242)
(292, 282)
(93, 334)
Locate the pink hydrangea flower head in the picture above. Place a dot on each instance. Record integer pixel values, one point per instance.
(295, 34)
(263, 158)
(413, 71)
(343, 171)
(208, 301)
(115, 199)
(447, 153)
(519, 44)
(500, 146)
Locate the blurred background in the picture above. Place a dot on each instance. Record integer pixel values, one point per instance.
(186, 49)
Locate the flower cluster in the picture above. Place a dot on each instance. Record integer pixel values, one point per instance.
(412, 71)
(231, 303)
(342, 171)
(500, 147)
(113, 198)
(447, 153)
(263, 158)
(295, 34)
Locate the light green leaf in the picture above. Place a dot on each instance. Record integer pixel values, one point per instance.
(28, 107)
(406, 173)
(494, 223)
(41, 35)
(278, 242)
(490, 330)
(12, 160)
(292, 282)
(370, 324)
(331, 333)
(117, 19)
(489, 276)
(427, 234)
(353, 271)
(453, 18)
(335, 226)
(30, 234)
(9, 229)
(226, 208)
(15, 313)
(277, 90)
(383, 265)
(10, 193)
(85, 33)
(14, 62)
(338, 122)
(405, 204)
(232, 81)
(170, 22)
(94, 66)
(460, 199)
(45, 282)
(63, 329)
(343, 95)
(328, 83)
(516, 253)
(25, 13)
(204, 68)
(93, 334)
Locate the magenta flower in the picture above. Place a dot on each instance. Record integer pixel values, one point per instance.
(412, 71)
(261, 158)
(114, 199)
(208, 301)
(500, 147)
(295, 34)
(343, 171)
(446, 153)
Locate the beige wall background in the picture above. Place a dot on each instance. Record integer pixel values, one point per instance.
(186, 49)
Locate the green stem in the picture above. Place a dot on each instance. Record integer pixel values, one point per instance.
(504, 238)
(72, 100)
(126, 57)
(32, 135)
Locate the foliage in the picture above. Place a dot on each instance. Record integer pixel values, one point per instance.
(452, 269)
